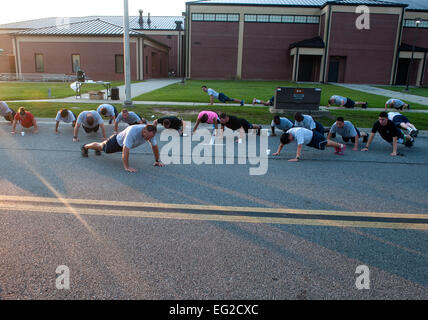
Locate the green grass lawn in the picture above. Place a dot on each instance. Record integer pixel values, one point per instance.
(423, 92)
(39, 90)
(259, 115)
(191, 92)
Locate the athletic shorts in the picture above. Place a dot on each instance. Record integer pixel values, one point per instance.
(349, 103)
(318, 141)
(246, 125)
(87, 130)
(223, 98)
(399, 119)
(271, 100)
(346, 139)
(111, 146)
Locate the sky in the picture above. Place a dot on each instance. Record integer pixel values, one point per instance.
(21, 10)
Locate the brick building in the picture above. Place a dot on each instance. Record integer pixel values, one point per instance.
(92, 44)
(307, 40)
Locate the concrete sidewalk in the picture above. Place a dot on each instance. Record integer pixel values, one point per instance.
(387, 93)
(137, 89)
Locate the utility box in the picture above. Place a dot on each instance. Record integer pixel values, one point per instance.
(114, 93)
(296, 99)
(96, 95)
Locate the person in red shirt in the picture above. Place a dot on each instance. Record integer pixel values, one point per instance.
(26, 119)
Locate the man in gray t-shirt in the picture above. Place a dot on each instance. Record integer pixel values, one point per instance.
(6, 112)
(306, 121)
(91, 121)
(348, 132)
(281, 123)
(128, 117)
(307, 137)
(128, 139)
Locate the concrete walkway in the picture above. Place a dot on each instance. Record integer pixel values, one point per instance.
(137, 89)
(387, 93)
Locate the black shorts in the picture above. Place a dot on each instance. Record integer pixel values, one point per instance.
(399, 119)
(318, 141)
(223, 98)
(349, 103)
(111, 146)
(88, 130)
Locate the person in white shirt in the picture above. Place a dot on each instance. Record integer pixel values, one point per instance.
(66, 116)
(6, 112)
(312, 139)
(401, 122)
(130, 138)
(220, 96)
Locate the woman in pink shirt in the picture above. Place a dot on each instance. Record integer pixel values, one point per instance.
(210, 117)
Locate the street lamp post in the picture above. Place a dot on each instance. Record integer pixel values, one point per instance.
(418, 21)
(127, 57)
(180, 46)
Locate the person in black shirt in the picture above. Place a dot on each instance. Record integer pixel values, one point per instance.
(390, 133)
(235, 123)
(171, 122)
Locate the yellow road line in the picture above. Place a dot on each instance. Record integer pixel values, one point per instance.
(109, 203)
(108, 211)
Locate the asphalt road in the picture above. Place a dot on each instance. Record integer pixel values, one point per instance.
(210, 231)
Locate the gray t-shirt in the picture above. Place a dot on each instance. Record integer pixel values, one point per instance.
(338, 100)
(81, 119)
(396, 103)
(132, 118)
(307, 123)
(70, 117)
(301, 135)
(284, 125)
(348, 130)
(4, 108)
(109, 108)
(131, 137)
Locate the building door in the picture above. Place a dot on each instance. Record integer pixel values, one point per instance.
(306, 67)
(402, 70)
(333, 70)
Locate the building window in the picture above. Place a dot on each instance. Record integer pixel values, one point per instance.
(222, 17)
(233, 17)
(250, 18)
(300, 19)
(40, 65)
(209, 17)
(119, 63)
(274, 18)
(408, 23)
(262, 18)
(198, 17)
(75, 62)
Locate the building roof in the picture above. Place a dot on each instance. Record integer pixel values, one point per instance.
(91, 27)
(305, 3)
(157, 23)
(315, 42)
(420, 5)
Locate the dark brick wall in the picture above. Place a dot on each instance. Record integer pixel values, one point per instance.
(369, 53)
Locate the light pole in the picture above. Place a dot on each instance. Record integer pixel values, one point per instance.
(418, 21)
(180, 46)
(127, 58)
